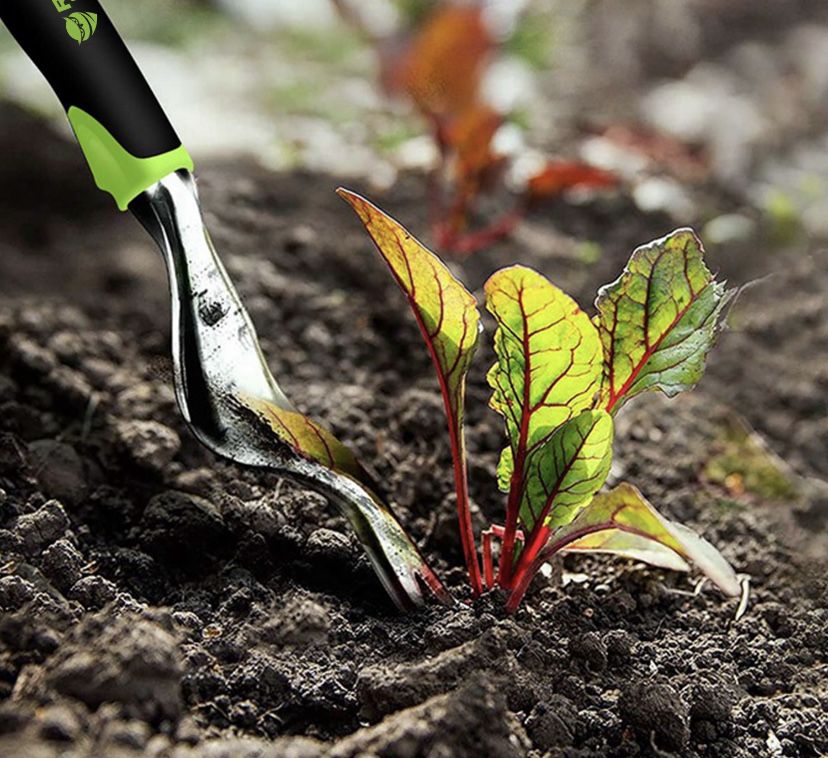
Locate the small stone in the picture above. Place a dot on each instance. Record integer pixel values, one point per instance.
(130, 734)
(301, 622)
(187, 620)
(300, 237)
(13, 717)
(67, 346)
(149, 443)
(47, 524)
(620, 645)
(32, 356)
(13, 458)
(93, 592)
(654, 707)
(9, 542)
(126, 659)
(188, 732)
(711, 699)
(59, 470)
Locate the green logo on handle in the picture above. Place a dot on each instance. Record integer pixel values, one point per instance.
(80, 26)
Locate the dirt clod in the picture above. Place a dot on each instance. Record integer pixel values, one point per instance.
(59, 470)
(174, 519)
(149, 443)
(133, 661)
(41, 528)
(654, 707)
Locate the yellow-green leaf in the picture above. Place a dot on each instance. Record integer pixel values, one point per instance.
(548, 365)
(307, 437)
(563, 474)
(659, 319)
(449, 321)
(445, 310)
(622, 521)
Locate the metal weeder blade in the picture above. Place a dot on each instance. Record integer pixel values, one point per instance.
(217, 361)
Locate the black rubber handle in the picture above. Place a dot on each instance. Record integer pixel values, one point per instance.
(83, 58)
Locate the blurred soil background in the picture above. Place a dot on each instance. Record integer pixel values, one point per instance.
(156, 601)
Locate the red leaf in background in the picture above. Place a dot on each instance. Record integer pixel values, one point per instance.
(470, 137)
(442, 65)
(683, 160)
(558, 176)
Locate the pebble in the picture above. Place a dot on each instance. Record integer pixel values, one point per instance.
(15, 592)
(13, 457)
(122, 659)
(549, 725)
(58, 723)
(174, 519)
(130, 734)
(590, 649)
(328, 544)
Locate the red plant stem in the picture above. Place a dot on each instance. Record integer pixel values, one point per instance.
(499, 531)
(466, 244)
(494, 530)
(463, 508)
(488, 566)
(536, 542)
(523, 577)
(507, 549)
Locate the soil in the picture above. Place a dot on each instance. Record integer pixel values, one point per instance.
(158, 601)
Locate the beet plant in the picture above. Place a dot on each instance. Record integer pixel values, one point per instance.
(558, 380)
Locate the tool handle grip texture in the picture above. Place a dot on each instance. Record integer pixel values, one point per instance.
(122, 129)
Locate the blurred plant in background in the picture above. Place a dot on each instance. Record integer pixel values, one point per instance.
(442, 63)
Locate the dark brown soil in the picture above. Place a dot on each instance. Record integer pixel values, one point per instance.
(157, 601)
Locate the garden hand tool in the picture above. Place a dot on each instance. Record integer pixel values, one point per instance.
(135, 156)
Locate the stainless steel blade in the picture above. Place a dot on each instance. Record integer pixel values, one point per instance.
(218, 362)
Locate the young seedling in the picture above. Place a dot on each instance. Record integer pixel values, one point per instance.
(558, 380)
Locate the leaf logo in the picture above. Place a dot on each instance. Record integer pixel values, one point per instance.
(81, 26)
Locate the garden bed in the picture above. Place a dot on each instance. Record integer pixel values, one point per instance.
(154, 597)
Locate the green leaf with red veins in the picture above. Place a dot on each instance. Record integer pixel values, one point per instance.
(565, 472)
(548, 365)
(447, 315)
(659, 319)
(622, 521)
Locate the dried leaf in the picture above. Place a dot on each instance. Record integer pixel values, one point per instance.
(470, 136)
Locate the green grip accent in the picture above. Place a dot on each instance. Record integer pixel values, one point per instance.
(116, 171)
